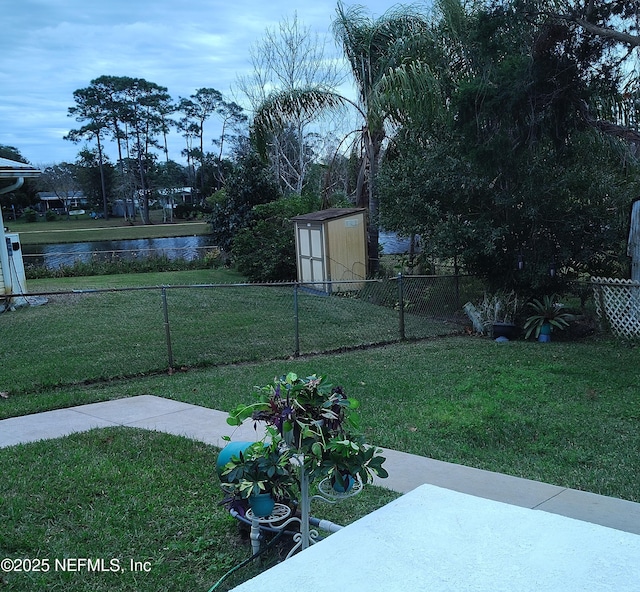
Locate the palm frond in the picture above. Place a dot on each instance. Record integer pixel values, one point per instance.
(410, 91)
(281, 107)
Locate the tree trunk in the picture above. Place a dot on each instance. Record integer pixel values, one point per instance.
(373, 148)
(105, 204)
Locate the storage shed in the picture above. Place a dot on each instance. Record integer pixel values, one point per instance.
(331, 249)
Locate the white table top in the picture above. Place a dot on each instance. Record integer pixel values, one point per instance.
(434, 539)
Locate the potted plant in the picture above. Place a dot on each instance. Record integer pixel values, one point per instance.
(262, 474)
(345, 460)
(495, 315)
(547, 316)
(312, 417)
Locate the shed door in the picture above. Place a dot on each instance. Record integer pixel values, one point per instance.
(311, 254)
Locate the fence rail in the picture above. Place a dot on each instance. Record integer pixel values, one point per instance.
(106, 333)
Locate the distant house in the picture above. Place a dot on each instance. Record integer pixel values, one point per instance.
(61, 201)
(177, 195)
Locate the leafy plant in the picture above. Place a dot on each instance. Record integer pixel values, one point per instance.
(351, 457)
(546, 311)
(302, 410)
(271, 228)
(500, 307)
(262, 468)
(318, 421)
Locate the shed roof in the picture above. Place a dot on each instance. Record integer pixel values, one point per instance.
(328, 214)
(12, 169)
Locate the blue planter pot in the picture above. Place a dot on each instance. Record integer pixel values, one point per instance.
(262, 504)
(545, 333)
(231, 449)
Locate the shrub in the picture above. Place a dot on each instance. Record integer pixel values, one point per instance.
(212, 259)
(190, 211)
(265, 251)
(30, 215)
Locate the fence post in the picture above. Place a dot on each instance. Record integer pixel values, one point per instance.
(401, 306)
(167, 330)
(296, 325)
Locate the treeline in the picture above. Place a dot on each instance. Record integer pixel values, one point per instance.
(503, 133)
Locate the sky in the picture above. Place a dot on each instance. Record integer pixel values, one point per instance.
(50, 48)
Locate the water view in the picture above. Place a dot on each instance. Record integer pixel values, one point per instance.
(182, 247)
(55, 256)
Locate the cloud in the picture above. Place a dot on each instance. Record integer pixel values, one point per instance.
(50, 49)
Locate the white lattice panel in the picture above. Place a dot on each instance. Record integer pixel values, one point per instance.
(618, 303)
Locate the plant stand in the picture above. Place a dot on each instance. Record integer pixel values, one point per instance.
(308, 536)
(280, 512)
(280, 517)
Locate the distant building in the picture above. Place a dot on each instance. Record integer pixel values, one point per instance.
(124, 209)
(178, 195)
(61, 201)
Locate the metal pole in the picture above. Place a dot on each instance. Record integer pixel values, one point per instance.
(296, 322)
(305, 502)
(401, 307)
(167, 329)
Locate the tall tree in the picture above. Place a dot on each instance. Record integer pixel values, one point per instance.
(510, 180)
(233, 121)
(92, 108)
(288, 58)
(142, 107)
(197, 110)
(91, 175)
(374, 48)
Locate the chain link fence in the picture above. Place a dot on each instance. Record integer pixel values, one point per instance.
(88, 335)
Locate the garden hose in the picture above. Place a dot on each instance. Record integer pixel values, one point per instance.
(247, 561)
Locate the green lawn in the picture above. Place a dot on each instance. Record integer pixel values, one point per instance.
(121, 495)
(79, 337)
(565, 413)
(83, 228)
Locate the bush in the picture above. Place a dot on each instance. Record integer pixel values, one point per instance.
(212, 259)
(50, 216)
(251, 183)
(30, 215)
(190, 211)
(265, 251)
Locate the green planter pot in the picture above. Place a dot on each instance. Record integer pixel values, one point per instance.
(262, 504)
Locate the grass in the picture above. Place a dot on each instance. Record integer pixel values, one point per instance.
(562, 413)
(82, 229)
(565, 413)
(104, 335)
(119, 495)
(136, 280)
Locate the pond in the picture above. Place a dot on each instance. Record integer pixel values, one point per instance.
(182, 247)
(58, 255)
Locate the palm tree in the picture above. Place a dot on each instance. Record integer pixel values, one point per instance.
(378, 50)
